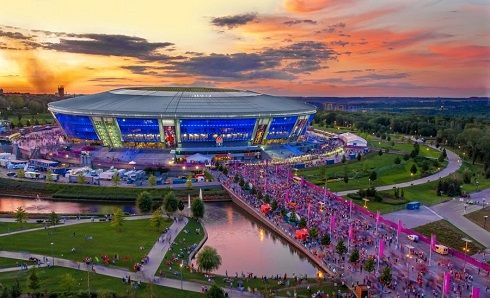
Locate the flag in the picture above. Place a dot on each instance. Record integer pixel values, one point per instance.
(447, 282)
(351, 232)
(287, 196)
(399, 228)
(381, 248)
(377, 216)
(475, 293)
(432, 241)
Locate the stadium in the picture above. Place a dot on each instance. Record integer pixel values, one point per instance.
(185, 120)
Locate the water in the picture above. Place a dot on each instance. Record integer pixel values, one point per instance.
(244, 245)
(247, 246)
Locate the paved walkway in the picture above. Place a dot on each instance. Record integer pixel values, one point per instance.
(414, 218)
(161, 246)
(454, 210)
(454, 163)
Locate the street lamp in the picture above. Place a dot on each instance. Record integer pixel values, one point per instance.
(52, 252)
(466, 250)
(365, 202)
(485, 221)
(181, 276)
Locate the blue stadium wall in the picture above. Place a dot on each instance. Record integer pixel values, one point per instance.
(181, 133)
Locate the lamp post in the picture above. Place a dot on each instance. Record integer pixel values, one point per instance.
(181, 275)
(365, 202)
(52, 252)
(466, 250)
(485, 221)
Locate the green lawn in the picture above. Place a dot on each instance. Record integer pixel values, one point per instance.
(358, 171)
(7, 227)
(105, 240)
(50, 280)
(449, 235)
(8, 263)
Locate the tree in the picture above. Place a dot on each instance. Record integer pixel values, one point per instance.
(373, 176)
(181, 205)
(413, 169)
(359, 156)
(197, 208)
(15, 291)
(325, 240)
(152, 180)
(81, 179)
(398, 160)
(354, 256)
(302, 221)
(380, 152)
(208, 259)
(116, 179)
(170, 204)
(369, 265)
(188, 183)
(215, 292)
(53, 219)
(406, 157)
(20, 173)
(344, 159)
(340, 248)
(49, 175)
(386, 277)
(156, 220)
(68, 284)
(117, 219)
(144, 201)
(33, 281)
(20, 215)
(313, 232)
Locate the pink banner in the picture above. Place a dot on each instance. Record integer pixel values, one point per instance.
(377, 216)
(432, 240)
(447, 282)
(399, 227)
(381, 248)
(475, 293)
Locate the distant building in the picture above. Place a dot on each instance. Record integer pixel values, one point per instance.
(1, 91)
(352, 140)
(61, 91)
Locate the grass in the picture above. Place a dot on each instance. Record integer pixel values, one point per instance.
(358, 171)
(105, 241)
(449, 235)
(478, 218)
(7, 227)
(73, 191)
(49, 280)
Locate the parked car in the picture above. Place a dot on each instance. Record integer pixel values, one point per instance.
(413, 238)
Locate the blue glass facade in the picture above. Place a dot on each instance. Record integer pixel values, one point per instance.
(75, 126)
(206, 130)
(281, 127)
(139, 130)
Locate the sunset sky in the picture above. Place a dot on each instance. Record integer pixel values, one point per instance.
(291, 47)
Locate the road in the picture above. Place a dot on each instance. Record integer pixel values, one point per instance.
(454, 163)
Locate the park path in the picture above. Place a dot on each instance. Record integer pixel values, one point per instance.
(454, 163)
(162, 245)
(70, 222)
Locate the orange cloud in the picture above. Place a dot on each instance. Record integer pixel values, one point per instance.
(304, 6)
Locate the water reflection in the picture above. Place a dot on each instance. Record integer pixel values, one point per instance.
(246, 246)
(9, 204)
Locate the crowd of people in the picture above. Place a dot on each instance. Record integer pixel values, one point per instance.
(296, 204)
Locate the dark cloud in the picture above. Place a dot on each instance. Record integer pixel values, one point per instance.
(111, 45)
(296, 22)
(234, 21)
(14, 35)
(349, 71)
(378, 77)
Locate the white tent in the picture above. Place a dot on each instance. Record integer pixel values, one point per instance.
(198, 158)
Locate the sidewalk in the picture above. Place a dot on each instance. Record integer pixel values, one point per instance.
(161, 246)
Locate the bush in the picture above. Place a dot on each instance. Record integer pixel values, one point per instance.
(398, 160)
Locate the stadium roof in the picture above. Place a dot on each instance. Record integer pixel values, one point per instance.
(189, 102)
